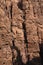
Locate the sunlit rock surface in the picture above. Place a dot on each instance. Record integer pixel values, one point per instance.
(21, 32)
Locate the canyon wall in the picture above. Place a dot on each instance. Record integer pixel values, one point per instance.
(21, 32)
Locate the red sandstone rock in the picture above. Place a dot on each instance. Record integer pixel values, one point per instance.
(21, 31)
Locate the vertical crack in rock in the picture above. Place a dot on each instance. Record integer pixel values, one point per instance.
(11, 26)
(12, 47)
(20, 6)
(41, 7)
(11, 10)
(18, 60)
(25, 35)
(11, 15)
(25, 38)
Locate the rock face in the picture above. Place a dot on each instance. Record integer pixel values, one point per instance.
(21, 32)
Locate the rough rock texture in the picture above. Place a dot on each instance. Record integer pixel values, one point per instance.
(21, 32)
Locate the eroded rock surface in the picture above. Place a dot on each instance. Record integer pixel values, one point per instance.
(21, 32)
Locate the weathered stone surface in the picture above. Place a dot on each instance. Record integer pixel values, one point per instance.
(21, 32)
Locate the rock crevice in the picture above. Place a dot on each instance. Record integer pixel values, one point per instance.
(21, 32)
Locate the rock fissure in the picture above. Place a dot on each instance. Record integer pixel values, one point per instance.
(21, 32)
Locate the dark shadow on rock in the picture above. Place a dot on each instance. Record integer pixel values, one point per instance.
(41, 52)
(20, 5)
(35, 61)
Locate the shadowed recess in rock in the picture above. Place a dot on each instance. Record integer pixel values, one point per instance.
(41, 52)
